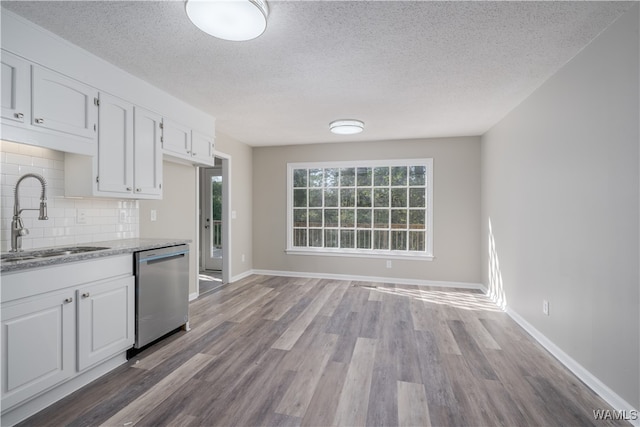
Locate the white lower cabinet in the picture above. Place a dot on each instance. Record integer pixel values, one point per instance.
(105, 320)
(61, 325)
(38, 345)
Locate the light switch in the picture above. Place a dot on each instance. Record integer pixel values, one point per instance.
(154, 215)
(233, 215)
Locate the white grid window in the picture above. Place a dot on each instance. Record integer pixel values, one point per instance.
(366, 208)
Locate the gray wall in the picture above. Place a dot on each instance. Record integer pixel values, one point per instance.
(241, 202)
(176, 212)
(456, 209)
(560, 188)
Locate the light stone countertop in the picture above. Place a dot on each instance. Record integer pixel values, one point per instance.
(114, 247)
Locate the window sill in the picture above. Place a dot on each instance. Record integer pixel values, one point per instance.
(377, 255)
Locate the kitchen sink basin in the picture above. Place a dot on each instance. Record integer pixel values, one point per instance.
(46, 253)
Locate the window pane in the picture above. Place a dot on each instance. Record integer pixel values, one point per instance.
(417, 197)
(300, 198)
(381, 176)
(398, 240)
(330, 238)
(364, 218)
(299, 177)
(399, 175)
(315, 198)
(331, 218)
(416, 240)
(315, 217)
(416, 219)
(347, 218)
(417, 175)
(300, 237)
(315, 237)
(398, 218)
(348, 177)
(381, 197)
(331, 197)
(364, 197)
(381, 218)
(364, 177)
(364, 239)
(347, 238)
(347, 197)
(399, 197)
(299, 217)
(380, 239)
(331, 177)
(315, 177)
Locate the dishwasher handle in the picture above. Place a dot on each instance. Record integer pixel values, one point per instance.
(164, 257)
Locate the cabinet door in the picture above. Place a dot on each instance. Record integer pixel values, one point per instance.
(176, 138)
(62, 104)
(115, 145)
(202, 147)
(38, 345)
(15, 91)
(147, 153)
(105, 320)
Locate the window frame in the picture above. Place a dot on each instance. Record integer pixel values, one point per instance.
(427, 254)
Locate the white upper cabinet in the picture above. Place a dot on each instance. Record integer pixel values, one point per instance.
(147, 154)
(176, 138)
(115, 145)
(129, 160)
(15, 90)
(63, 104)
(179, 142)
(202, 147)
(44, 108)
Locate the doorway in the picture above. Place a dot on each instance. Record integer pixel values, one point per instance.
(214, 225)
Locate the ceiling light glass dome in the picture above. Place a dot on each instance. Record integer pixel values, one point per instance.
(346, 126)
(235, 20)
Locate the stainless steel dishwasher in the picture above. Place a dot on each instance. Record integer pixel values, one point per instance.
(162, 292)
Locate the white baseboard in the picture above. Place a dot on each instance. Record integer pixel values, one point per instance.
(193, 296)
(242, 275)
(612, 398)
(374, 279)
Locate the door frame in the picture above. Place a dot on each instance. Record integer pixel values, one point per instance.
(226, 218)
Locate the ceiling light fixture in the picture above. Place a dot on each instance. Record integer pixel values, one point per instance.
(235, 20)
(346, 127)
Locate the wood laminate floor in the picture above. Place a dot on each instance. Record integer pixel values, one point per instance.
(279, 351)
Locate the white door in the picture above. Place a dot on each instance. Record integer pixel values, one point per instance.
(212, 219)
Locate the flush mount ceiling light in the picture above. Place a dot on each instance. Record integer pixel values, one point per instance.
(346, 127)
(236, 20)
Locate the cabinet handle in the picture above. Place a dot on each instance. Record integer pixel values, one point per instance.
(138, 190)
(39, 121)
(194, 154)
(129, 188)
(86, 295)
(68, 300)
(19, 115)
(188, 151)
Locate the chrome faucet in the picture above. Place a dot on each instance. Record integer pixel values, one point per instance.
(17, 227)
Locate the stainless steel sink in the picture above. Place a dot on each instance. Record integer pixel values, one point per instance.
(46, 253)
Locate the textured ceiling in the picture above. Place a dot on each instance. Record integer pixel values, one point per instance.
(408, 69)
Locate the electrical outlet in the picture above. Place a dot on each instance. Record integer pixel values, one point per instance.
(81, 216)
(389, 264)
(242, 257)
(123, 216)
(545, 307)
(154, 215)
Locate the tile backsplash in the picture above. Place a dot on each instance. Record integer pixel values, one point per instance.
(71, 220)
